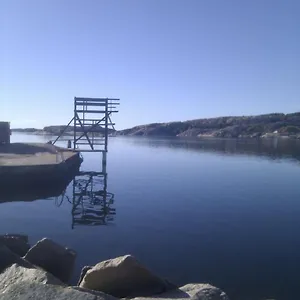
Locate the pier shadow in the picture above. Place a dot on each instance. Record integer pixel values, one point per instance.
(91, 202)
(23, 193)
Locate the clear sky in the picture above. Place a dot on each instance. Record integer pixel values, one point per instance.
(165, 59)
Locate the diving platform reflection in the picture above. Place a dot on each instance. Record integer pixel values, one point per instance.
(92, 203)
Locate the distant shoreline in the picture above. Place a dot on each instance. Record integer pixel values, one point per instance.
(261, 126)
(37, 131)
(58, 130)
(267, 135)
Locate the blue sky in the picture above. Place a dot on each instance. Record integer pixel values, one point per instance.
(165, 59)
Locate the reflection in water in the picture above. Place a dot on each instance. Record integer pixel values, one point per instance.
(30, 193)
(272, 148)
(91, 201)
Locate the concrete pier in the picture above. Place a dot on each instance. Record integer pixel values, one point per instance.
(32, 164)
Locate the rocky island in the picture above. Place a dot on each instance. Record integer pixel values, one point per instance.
(275, 124)
(43, 271)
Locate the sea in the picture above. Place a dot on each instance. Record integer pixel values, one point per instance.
(219, 211)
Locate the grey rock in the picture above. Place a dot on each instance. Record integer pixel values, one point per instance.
(26, 290)
(96, 293)
(53, 258)
(17, 243)
(7, 258)
(191, 291)
(16, 274)
(204, 292)
(123, 277)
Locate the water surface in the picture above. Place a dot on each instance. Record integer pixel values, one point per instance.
(219, 211)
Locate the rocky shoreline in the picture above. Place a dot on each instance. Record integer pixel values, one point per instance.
(44, 270)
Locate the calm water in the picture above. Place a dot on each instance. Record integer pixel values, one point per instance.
(220, 211)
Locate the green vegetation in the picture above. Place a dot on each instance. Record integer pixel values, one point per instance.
(290, 130)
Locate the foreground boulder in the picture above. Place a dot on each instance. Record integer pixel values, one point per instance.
(7, 258)
(53, 258)
(17, 274)
(27, 290)
(123, 277)
(16, 243)
(191, 291)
